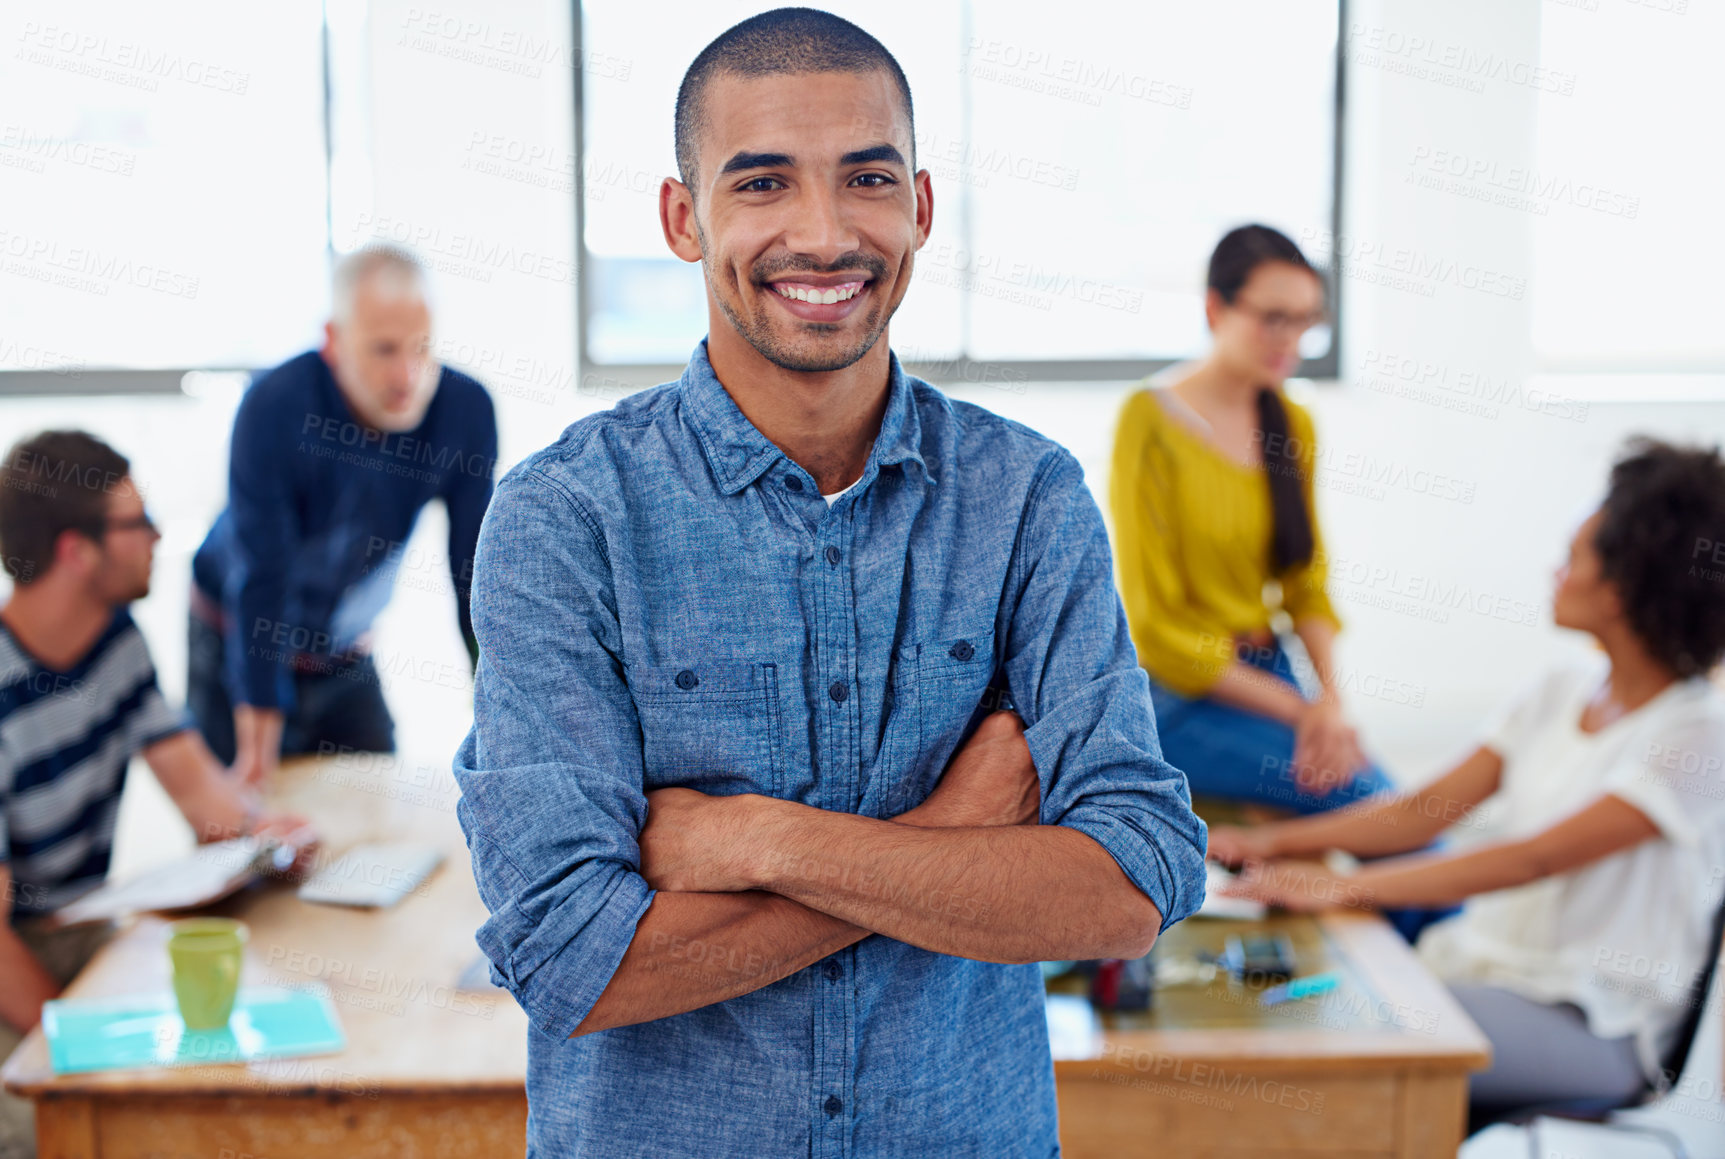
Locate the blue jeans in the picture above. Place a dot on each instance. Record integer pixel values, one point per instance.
(1237, 755)
(341, 708)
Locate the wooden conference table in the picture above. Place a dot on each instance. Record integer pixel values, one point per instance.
(1377, 1068)
(428, 1070)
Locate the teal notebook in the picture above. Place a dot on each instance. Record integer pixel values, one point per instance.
(146, 1030)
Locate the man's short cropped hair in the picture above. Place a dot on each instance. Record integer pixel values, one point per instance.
(784, 41)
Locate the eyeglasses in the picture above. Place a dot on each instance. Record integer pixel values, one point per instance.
(141, 522)
(1278, 324)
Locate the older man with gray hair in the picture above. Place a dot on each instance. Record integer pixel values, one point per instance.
(333, 455)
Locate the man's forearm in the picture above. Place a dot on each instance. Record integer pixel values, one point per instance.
(258, 737)
(999, 894)
(216, 806)
(24, 984)
(694, 949)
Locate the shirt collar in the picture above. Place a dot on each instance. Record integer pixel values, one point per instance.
(739, 453)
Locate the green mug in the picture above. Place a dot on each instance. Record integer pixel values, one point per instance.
(206, 955)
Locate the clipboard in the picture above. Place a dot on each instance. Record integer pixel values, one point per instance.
(208, 874)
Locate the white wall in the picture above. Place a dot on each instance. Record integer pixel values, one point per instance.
(1530, 472)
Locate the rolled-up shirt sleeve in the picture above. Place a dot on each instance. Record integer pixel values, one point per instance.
(552, 801)
(1075, 680)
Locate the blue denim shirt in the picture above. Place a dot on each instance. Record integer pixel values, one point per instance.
(662, 597)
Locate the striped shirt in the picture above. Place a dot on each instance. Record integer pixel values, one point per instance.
(65, 740)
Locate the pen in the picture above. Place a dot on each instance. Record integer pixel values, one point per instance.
(1300, 988)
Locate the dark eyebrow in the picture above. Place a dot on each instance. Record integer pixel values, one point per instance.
(872, 154)
(742, 162)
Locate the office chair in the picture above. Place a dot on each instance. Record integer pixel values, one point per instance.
(1595, 1111)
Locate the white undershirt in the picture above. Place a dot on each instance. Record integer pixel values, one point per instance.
(1620, 937)
(840, 491)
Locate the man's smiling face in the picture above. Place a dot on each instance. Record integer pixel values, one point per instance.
(806, 216)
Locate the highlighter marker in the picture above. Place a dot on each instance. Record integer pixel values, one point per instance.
(1300, 988)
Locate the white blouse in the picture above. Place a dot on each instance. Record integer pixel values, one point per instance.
(1624, 936)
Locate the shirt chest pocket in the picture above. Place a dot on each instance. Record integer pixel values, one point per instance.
(711, 726)
(937, 686)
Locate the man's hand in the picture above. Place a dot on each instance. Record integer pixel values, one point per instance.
(257, 744)
(692, 842)
(990, 781)
(293, 830)
(248, 771)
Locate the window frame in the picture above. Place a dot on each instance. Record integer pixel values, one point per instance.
(80, 381)
(962, 369)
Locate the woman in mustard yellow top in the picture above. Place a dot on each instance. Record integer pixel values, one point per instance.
(1215, 530)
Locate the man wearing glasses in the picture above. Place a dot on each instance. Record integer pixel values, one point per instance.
(732, 630)
(78, 699)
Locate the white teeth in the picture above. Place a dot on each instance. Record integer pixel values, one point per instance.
(818, 297)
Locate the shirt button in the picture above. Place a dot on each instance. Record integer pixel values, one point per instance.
(833, 555)
(794, 483)
(962, 650)
(838, 691)
(834, 971)
(834, 1105)
(687, 679)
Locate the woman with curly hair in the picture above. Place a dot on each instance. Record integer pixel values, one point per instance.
(1588, 912)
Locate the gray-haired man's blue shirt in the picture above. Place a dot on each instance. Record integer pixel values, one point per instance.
(662, 597)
